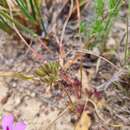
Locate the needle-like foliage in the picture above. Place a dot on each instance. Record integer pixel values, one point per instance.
(27, 16)
(98, 30)
(48, 73)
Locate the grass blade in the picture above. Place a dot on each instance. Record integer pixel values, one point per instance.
(3, 3)
(4, 26)
(100, 7)
(24, 9)
(37, 4)
(9, 22)
(33, 8)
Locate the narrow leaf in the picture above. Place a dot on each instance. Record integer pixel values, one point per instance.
(24, 9)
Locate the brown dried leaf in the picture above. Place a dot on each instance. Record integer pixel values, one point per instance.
(85, 80)
(84, 122)
(101, 103)
(72, 61)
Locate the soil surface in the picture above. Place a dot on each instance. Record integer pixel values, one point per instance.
(42, 108)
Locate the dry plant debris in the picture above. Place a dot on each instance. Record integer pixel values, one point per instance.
(72, 72)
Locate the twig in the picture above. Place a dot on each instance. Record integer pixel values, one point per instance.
(65, 24)
(17, 75)
(61, 56)
(78, 13)
(101, 57)
(21, 37)
(64, 89)
(96, 109)
(116, 77)
(57, 15)
(44, 45)
(60, 115)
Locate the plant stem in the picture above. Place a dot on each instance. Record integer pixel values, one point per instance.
(126, 45)
(70, 100)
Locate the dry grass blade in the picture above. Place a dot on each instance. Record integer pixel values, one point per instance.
(115, 78)
(72, 61)
(3, 8)
(65, 24)
(98, 64)
(62, 53)
(78, 13)
(18, 75)
(21, 37)
(91, 53)
(96, 110)
(59, 116)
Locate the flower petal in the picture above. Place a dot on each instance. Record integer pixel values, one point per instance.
(20, 126)
(7, 122)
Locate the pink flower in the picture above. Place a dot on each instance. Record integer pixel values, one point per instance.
(8, 123)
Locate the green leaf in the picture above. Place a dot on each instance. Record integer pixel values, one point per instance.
(22, 76)
(82, 26)
(98, 26)
(22, 28)
(40, 18)
(112, 4)
(23, 6)
(99, 7)
(114, 7)
(33, 8)
(48, 72)
(4, 26)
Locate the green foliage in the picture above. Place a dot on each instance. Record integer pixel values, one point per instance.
(3, 25)
(97, 27)
(113, 9)
(82, 27)
(22, 76)
(112, 4)
(48, 73)
(8, 21)
(101, 26)
(26, 17)
(100, 7)
(25, 10)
